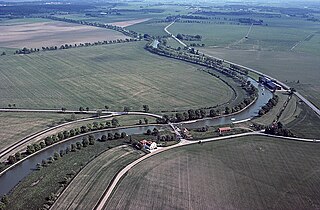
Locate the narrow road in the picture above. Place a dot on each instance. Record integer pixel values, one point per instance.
(183, 142)
(306, 101)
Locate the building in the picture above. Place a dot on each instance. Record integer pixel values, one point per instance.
(270, 84)
(149, 145)
(224, 129)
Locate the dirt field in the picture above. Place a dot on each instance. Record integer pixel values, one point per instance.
(37, 35)
(243, 173)
(129, 22)
(89, 185)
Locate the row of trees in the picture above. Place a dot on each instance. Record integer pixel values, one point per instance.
(271, 103)
(69, 46)
(279, 130)
(49, 140)
(111, 136)
(100, 25)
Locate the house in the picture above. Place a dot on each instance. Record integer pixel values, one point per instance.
(150, 145)
(224, 129)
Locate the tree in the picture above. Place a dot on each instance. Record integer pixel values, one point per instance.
(213, 113)
(81, 109)
(48, 140)
(5, 199)
(3, 53)
(146, 121)
(140, 122)
(115, 122)
(103, 138)
(149, 132)
(56, 156)
(227, 110)
(18, 156)
(146, 108)
(12, 159)
(155, 132)
(106, 107)
(83, 129)
(126, 109)
(87, 109)
(63, 109)
(85, 142)
(110, 136)
(30, 149)
(123, 135)
(78, 145)
(116, 135)
(73, 147)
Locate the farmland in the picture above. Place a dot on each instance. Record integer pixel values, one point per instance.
(51, 33)
(116, 75)
(242, 173)
(85, 190)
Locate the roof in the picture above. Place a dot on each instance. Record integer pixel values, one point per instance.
(225, 129)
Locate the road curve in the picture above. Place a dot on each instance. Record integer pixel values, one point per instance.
(306, 101)
(183, 142)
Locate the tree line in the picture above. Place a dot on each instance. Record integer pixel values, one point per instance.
(70, 46)
(49, 140)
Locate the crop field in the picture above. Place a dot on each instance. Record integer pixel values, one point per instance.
(241, 173)
(51, 33)
(86, 189)
(32, 192)
(116, 75)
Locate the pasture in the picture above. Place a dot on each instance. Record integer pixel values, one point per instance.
(116, 75)
(38, 34)
(242, 173)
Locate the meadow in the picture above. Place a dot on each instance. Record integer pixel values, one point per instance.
(242, 173)
(36, 34)
(115, 75)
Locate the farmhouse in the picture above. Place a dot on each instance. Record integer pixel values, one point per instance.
(224, 129)
(150, 145)
(271, 84)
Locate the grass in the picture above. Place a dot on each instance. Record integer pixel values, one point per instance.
(242, 173)
(306, 124)
(270, 116)
(36, 34)
(149, 27)
(116, 75)
(91, 182)
(32, 192)
(291, 112)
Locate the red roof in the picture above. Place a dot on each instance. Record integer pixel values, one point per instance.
(224, 129)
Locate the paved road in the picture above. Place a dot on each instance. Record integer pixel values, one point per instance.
(183, 142)
(306, 101)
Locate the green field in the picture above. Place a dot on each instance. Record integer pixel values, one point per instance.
(116, 75)
(151, 28)
(242, 173)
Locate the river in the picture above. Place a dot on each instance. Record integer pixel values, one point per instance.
(13, 176)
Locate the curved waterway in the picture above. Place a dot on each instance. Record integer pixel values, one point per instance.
(13, 176)
(264, 96)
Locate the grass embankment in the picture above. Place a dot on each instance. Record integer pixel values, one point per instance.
(270, 116)
(242, 173)
(91, 182)
(34, 190)
(306, 124)
(115, 75)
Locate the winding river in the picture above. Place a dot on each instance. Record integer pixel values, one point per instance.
(13, 176)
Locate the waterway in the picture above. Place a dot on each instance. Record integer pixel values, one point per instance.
(13, 176)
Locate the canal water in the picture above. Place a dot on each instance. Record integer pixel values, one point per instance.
(12, 177)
